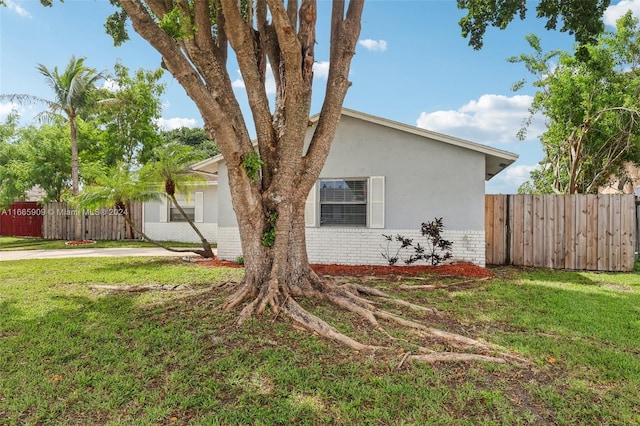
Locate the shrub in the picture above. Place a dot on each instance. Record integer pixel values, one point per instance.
(436, 251)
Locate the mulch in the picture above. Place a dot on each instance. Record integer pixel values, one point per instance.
(456, 269)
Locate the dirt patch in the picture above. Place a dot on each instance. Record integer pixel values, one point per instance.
(457, 269)
(617, 287)
(216, 263)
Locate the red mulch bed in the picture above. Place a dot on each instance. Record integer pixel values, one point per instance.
(458, 269)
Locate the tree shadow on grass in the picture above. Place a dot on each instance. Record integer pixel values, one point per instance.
(138, 264)
(21, 244)
(107, 357)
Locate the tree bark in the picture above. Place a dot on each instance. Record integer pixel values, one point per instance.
(128, 229)
(75, 177)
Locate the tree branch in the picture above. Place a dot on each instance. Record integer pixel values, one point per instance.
(344, 36)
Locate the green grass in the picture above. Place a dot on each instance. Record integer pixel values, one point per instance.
(16, 243)
(73, 355)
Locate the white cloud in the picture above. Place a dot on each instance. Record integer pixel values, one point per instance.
(491, 119)
(25, 112)
(517, 175)
(238, 83)
(373, 45)
(321, 69)
(19, 10)
(508, 181)
(111, 85)
(270, 82)
(6, 108)
(177, 122)
(614, 12)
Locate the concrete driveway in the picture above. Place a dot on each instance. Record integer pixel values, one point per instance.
(89, 252)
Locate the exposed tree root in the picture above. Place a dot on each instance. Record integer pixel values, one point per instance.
(357, 288)
(452, 286)
(315, 324)
(454, 357)
(141, 288)
(364, 302)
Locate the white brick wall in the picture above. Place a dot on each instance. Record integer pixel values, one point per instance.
(361, 246)
(229, 247)
(181, 231)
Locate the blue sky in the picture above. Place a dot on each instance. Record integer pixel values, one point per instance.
(411, 65)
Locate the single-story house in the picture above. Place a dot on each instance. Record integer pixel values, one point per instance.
(381, 177)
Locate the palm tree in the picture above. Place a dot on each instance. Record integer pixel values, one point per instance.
(74, 90)
(119, 187)
(170, 172)
(74, 94)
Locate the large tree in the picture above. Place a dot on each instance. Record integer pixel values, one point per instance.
(592, 108)
(74, 94)
(269, 185)
(130, 117)
(34, 157)
(196, 138)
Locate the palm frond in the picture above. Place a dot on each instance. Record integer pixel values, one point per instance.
(172, 164)
(115, 186)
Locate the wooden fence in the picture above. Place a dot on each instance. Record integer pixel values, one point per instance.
(105, 224)
(578, 232)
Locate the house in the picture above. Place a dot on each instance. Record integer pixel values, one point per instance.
(628, 184)
(381, 177)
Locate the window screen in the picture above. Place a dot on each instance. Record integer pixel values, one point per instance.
(343, 202)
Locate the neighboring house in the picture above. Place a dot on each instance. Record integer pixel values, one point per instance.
(629, 184)
(381, 177)
(36, 193)
(164, 222)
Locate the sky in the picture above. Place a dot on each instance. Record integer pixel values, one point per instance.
(411, 65)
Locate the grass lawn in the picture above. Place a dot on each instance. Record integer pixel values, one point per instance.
(16, 243)
(73, 355)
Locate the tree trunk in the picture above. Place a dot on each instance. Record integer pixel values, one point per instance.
(158, 243)
(275, 274)
(127, 227)
(75, 177)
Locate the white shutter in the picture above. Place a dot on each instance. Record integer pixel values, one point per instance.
(310, 209)
(164, 209)
(376, 202)
(198, 214)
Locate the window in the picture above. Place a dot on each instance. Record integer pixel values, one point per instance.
(343, 202)
(192, 204)
(357, 202)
